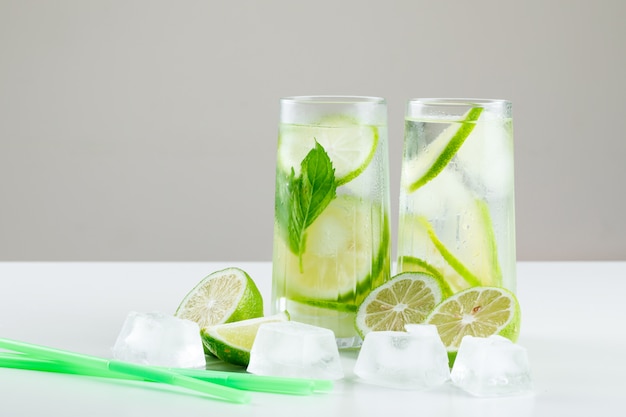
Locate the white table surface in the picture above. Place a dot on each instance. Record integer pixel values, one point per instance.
(573, 327)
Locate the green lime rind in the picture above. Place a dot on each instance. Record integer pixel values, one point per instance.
(224, 351)
(348, 301)
(381, 268)
(248, 305)
(491, 250)
(305, 136)
(456, 264)
(327, 304)
(352, 175)
(466, 127)
(407, 298)
(477, 311)
(413, 264)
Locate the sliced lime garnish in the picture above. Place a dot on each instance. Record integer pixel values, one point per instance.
(439, 152)
(405, 299)
(350, 146)
(223, 296)
(347, 246)
(477, 311)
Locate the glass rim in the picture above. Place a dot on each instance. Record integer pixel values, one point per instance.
(459, 101)
(333, 99)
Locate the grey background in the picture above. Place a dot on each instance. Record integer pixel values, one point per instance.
(146, 130)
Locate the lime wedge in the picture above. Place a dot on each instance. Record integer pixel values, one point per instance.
(477, 311)
(350, 146)
(231, 342)
(407, 298)
(347, 248)
(439, 152)
(223, 296)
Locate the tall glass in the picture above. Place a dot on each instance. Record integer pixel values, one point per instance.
(331, 224)
(457, 212)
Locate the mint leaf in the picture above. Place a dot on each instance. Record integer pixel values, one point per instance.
(310, 194)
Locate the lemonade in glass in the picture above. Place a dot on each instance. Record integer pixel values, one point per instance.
(457, 212)
(331, 223)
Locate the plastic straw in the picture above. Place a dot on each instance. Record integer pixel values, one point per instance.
(150, 373)
(260, 383)
(242, 381)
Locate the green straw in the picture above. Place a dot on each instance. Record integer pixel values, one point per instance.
(242, 381)
(147, 372)
(260, 383)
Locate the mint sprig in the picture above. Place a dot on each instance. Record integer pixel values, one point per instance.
(309, 195)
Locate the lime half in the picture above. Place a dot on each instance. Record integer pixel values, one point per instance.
(477, 311)
(223, 296)
(407, 298)
(231, 342)
(349, 145)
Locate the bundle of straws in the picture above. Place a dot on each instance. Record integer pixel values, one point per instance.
(225, 386)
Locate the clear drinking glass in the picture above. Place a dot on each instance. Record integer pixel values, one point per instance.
(331, 224)
(457, 212)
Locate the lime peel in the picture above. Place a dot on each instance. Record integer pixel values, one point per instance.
(407, 298)
(450, 149)
(351, 146)
(455, 263)
(223, 296)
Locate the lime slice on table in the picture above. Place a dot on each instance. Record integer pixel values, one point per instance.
(477, 311)
(439, 152)
(407, 298)
(347, 254)
(349, 145)
(223, 296)
(231, 342)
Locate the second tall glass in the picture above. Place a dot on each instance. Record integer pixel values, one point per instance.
(457, 208)
(331, 224)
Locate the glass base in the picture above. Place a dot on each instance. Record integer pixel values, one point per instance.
(340, 322)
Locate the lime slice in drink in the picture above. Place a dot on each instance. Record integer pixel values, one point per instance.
(231, 342)
(223, 296)
(438, 153)
(477, 311)
(453, 233)
(487, 157)
(472, 251)
(407, 298)
(419, 241)
(346, 248)
(413, 264)
(350, 146)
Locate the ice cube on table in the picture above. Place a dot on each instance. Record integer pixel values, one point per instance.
(416, 359)
(491, 366)
(161, 340)
(297, 350)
